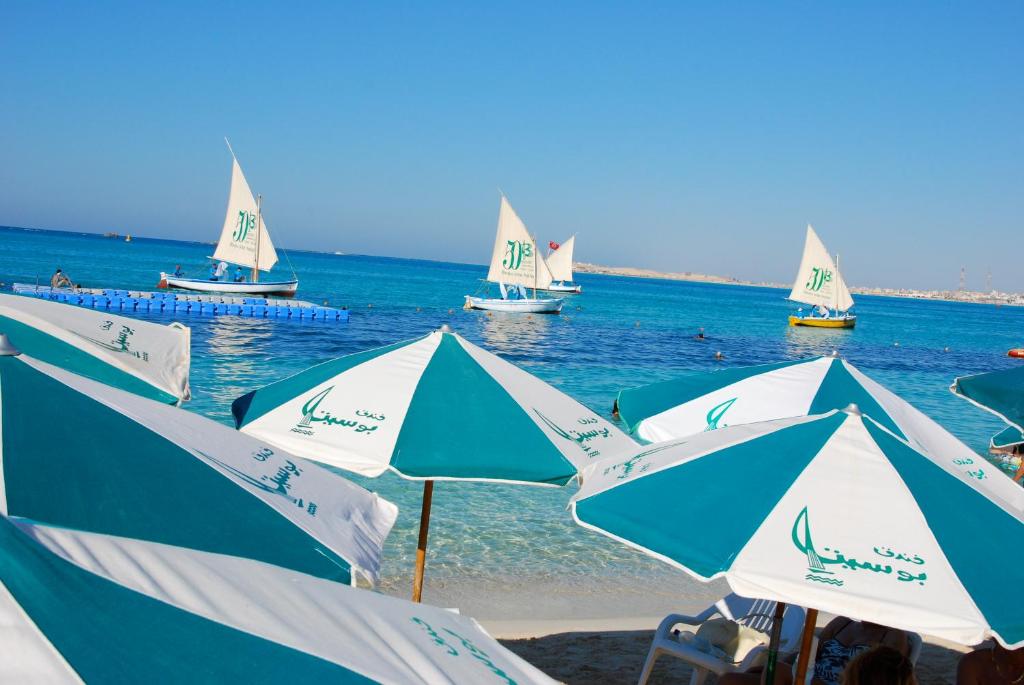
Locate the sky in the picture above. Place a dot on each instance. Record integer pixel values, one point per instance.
(675, 136)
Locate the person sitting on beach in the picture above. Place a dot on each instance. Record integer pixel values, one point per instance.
(881, 665)
(993, 665)
(60, 280)
(840, 641)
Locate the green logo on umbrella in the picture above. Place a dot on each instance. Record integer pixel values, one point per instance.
(311, 416)
(122, 341)
(590, 428)
(818, 564)
(451, 647)
(716, 414)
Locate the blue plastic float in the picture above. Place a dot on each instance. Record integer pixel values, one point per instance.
(129, 301)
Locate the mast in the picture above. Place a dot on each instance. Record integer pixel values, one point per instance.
(259, 215)
(536, 256)
(835, 286)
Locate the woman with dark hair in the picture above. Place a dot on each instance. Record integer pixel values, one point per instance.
(882, 665)
(841, 641)
(996, 664)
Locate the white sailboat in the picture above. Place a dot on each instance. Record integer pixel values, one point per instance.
(559, 261)
(516, 264)
(244, 241)
(820, 285)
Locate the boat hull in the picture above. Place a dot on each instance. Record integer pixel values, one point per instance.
(282, 288)
(563, 288)
(819, 322)
(546, 305)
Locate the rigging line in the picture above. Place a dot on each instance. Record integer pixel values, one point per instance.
(289, 259)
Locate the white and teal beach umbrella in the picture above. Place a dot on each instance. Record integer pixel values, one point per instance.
(432, 408)
(831, 511)
(85, 607)
(704, 402)
(79, 454)
(145, 358)
(1000, 393)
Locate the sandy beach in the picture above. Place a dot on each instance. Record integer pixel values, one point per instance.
(612, 652)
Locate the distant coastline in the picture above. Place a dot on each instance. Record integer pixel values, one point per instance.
(975, 297)
(970, 296)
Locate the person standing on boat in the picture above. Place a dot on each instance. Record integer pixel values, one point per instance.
(177, 271)
(217, 271)
(60, 280)
(239, 277)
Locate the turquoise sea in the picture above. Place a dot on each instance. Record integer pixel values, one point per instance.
(514, 552)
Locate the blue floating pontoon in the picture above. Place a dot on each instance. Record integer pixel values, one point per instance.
(132, 301)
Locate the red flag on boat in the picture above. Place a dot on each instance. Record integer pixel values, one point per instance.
(553, 245)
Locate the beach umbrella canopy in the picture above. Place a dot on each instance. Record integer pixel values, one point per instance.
(145, 358)
(85, 607)
(1011, 436)
(831, 511)
(83, 455)
(1002, 394)
(704, 402)
(432, 408)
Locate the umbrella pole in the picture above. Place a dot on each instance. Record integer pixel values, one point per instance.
(805, 645)
(421, 546)
(773, 644)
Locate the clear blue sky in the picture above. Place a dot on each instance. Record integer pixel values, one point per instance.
(676, 136)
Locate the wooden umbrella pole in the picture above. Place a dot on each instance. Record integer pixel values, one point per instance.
(806, 640)
(421, 546)
(773, 643)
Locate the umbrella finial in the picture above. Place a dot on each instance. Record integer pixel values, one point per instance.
(853, 410)
(6, 348)
(445, 328)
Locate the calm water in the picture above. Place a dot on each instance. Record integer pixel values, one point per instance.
(501, 550)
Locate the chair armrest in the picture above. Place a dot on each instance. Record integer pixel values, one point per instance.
(672, 619)
(696, 657)
(750, 658)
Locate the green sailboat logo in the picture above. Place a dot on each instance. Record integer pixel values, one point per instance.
(717, 412)
(815, 568)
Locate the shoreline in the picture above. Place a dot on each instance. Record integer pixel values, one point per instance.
(966, 296)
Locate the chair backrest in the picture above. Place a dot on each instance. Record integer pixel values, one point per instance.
(759, 615)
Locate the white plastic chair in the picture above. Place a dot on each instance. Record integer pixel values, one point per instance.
(753, 613)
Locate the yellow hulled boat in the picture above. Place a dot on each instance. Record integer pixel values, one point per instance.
(847, 321)
(820, 285)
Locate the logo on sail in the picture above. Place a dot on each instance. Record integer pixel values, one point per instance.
(819, 277)
(515, 250)
(819, 564)
(246, 222)
(717, 412)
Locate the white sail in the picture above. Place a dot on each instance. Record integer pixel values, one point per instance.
(560, 261)
(239, 238)
(516, 260)
(818, 281)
